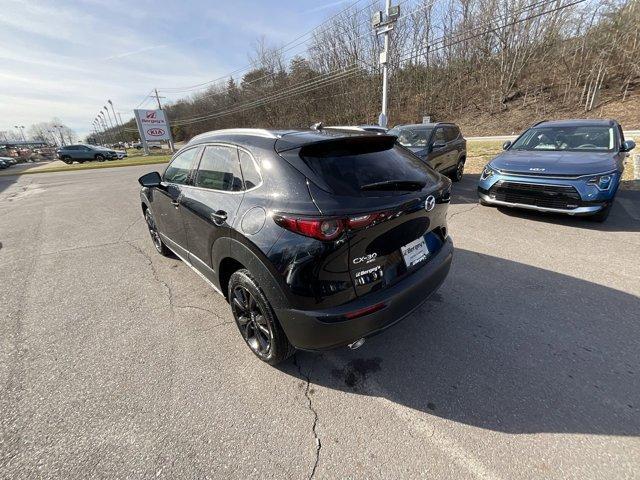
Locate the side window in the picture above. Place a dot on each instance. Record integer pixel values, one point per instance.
(439, 136)
(178, 170)
(451, 133)
(219, 169)
(250, 171)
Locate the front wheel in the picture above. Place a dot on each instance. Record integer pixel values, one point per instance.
(100, 158)
(256, 320)
(155, 235)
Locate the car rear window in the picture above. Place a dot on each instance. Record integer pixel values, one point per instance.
(347, 172)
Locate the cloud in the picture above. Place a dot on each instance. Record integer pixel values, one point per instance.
(326, 6)
(65, 59)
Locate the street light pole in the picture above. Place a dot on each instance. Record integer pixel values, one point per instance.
(383, 26)
(59, 127)
(115, 119)
(20, 132)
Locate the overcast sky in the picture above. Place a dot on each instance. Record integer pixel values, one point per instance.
(65, 58)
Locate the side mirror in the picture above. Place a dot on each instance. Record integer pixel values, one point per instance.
(506, 145)
(151, 179)
(628, 146)
(438, 144)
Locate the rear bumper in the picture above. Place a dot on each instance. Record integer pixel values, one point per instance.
(317, 330)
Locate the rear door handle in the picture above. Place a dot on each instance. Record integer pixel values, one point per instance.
(219, 217)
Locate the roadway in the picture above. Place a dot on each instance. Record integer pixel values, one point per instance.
(116, 362)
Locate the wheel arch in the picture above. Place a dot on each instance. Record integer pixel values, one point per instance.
(241, 256)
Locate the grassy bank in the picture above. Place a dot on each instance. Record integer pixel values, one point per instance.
(61, 167)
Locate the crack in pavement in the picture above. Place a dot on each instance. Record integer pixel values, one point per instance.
(467, 210)
(172, 305)
(313, 410)
(154, 272)
(126, 230)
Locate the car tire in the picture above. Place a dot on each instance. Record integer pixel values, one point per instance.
(457, 174)
(602, 215)
(161, 248)
(256, 320)
(99, 158)
(67, 160)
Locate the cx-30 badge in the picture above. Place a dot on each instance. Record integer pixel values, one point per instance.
(430, 203)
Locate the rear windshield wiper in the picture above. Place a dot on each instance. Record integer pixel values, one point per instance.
(394, 185)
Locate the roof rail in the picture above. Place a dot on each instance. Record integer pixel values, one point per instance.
(256, 132)
(538, 123)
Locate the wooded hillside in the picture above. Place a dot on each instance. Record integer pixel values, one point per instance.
(493, 66)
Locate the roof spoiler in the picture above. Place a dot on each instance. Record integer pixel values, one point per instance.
(358, 144)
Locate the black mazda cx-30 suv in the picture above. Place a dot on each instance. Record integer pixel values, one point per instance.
(317, 239)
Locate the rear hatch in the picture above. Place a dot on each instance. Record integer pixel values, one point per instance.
(393, 204)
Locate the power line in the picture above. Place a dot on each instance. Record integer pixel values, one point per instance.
(309, 86)
(282, 49)
(296, 90)
(429, 48)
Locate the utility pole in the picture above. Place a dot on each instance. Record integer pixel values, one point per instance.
(158, 97)
(382, 26)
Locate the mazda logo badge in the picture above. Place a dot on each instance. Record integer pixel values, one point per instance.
(430, 203)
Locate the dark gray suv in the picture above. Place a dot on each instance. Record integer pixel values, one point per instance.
(85, 153)
(440, 145)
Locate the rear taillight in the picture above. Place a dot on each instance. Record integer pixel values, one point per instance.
(320, 228)
(327, 228)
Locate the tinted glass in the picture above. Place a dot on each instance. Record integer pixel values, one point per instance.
(249, 171)
(451, 133)
(582, 138)
(439, 136)
(178, 170)
(346, 174)
(411, 136)
(219, 169)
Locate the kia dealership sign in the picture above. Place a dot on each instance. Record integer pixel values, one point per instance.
(153, 125)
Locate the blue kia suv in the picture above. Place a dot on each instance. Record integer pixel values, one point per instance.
(565, 166)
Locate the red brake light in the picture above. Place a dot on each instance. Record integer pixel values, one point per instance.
(327, 228)
(320, 228)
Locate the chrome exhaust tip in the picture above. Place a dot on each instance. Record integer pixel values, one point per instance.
(356, 344)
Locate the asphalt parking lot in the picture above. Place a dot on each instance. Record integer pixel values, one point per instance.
(116, 362)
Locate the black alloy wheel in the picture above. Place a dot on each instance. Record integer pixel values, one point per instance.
(256, 320)
(252, 321)
(100, 158)
(155, 235)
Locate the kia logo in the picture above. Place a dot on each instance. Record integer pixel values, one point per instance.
(151, 114)
(430, 203)
(155, 132)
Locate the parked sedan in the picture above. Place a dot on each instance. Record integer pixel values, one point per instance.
(3, 164)
(572, 167)
(9, 161)
(317, 239)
